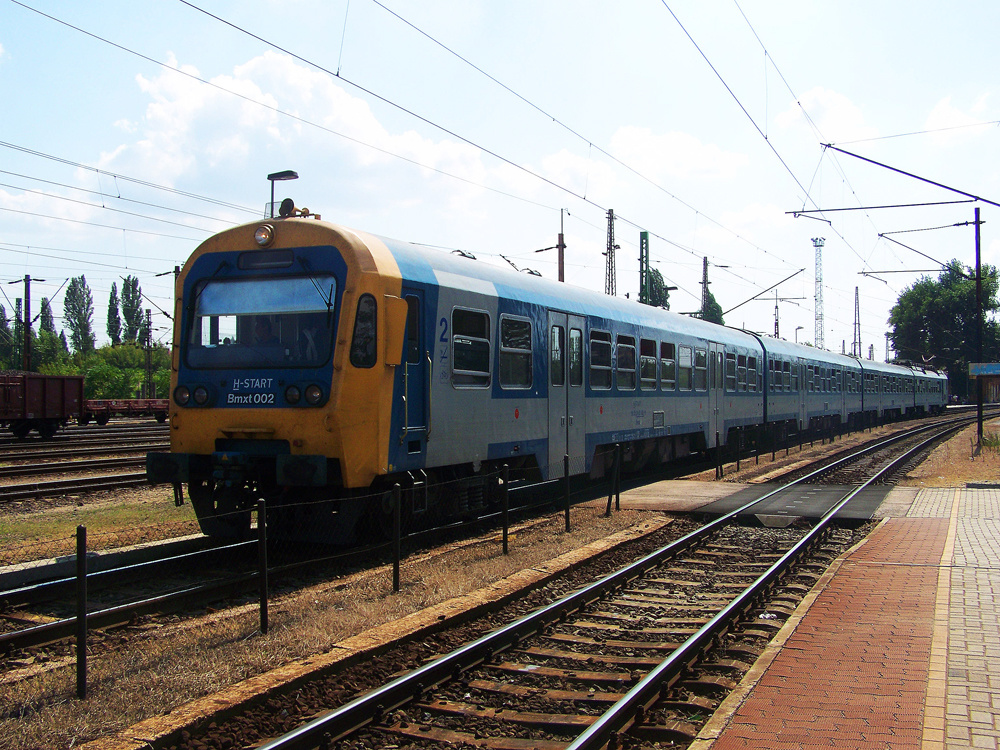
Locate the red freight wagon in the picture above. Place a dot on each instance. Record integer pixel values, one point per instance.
(102, 409)
(29, 401)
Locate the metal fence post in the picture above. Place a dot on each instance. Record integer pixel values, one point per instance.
(396, 533)
(505, 479)
(262, 561)
(81, 612)
(566, 480)
(611, 484)
(618, 476)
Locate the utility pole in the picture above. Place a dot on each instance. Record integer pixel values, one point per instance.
(149, 354)
(610, 274)
(856, 344)
(560, 246)
(775, 303)
(818, 243)
(27, 323)
(25, 320)
(979, 332)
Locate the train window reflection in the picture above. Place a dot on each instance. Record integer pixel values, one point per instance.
(470, 348)
(261, 323)
(515, 353)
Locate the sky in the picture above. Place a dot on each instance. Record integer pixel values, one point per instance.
(128, 137)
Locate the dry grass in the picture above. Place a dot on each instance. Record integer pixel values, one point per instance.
(171, 665)
(48, 528)
(957, 461)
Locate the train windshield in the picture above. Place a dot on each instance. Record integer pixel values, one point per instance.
(283, 322)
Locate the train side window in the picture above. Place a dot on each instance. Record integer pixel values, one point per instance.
(647, 364)
(625, 371)
(515, 353)
(470, 345)
(791, 377)
(364, 342)
(730, 371)
(575, 357)
(684, 366)
(412, 330)
(668, 366)
(600, 360)
(741, 371)
(557, 356)
(700, 370)
(752, 374)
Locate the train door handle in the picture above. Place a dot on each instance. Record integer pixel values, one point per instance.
(570, 420)
(562, 420)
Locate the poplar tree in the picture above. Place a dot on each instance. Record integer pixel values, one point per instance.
(114, 317)
(131, 309)
(78, 312)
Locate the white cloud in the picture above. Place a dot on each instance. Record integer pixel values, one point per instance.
(837, 117)
(675, 155)
(952, 123)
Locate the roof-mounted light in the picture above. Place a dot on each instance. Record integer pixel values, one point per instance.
(264, 235)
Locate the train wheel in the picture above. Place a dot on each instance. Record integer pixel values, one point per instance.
(217, 513)
(161, 417)
(21, 429)
(380, 515)
(102, 419)
(48, 429)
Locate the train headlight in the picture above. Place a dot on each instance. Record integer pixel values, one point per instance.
(314, 394)
(293, 394)
(264, 235)
(200, 395)
(182, 395)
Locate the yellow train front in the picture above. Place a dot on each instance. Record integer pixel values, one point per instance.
(286, 340)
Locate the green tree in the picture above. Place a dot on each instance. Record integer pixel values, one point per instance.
(47, 321)
(6, 341)
(659, 295)
(713, 311)
(131, 309)
(78, 312)
(17, 336)
(934, 321)
(49, 352)
(114, 317)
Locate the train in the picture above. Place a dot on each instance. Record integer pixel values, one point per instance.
(100, 410)
(317, 367)
(44, 403)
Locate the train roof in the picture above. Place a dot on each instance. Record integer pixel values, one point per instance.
(441, 268)
(791, 349)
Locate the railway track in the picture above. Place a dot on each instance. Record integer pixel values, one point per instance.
(57, 488)
(67, 467)
(648, 650)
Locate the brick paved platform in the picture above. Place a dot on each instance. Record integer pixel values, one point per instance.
(898, 646)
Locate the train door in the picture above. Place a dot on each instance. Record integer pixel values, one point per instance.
(416, 361)
(716, 419)
(567, 419)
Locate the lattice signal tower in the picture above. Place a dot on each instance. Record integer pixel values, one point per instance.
(610, 274)
(818, 243)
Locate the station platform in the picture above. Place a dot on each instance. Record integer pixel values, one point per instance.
(898, 645)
